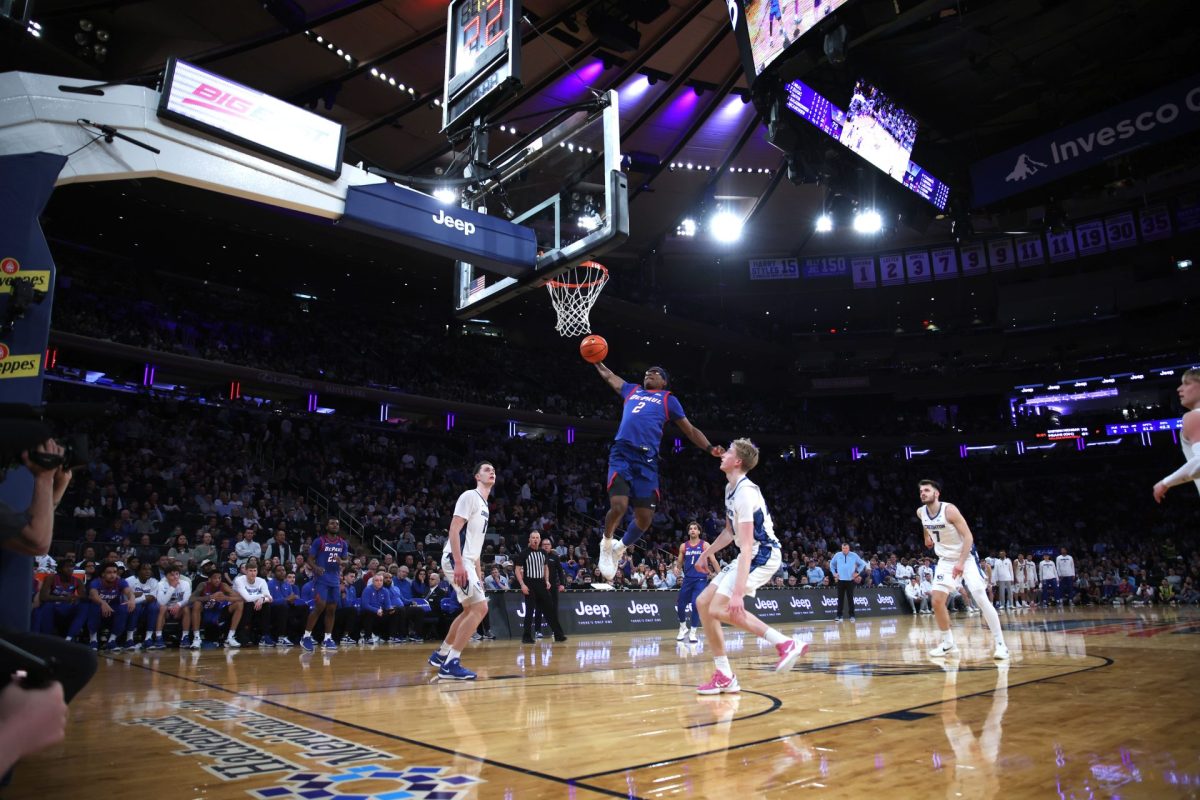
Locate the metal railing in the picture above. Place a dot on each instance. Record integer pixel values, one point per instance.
(352, 524)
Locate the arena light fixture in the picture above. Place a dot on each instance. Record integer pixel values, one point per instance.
(824, 224)
(687, 227)
(445, 194)
(868, 222)
(726, 226)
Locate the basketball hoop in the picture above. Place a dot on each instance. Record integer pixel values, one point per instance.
(573, 293)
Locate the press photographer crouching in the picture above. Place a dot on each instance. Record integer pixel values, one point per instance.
(38, 674)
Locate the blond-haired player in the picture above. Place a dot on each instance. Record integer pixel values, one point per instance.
(1189, 438)
(947, 532)
(748, 522)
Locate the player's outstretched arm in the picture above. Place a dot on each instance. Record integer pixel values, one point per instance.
(1189, 471)
(611, 378)
(696, 437)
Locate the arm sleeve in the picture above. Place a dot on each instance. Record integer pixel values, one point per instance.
(1190, 471)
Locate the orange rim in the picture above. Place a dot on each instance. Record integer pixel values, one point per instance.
(586, 284)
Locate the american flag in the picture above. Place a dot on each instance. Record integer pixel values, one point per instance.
(476, 286)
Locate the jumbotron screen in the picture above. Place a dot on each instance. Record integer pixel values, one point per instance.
(879, 130)
(774, 25)
(812, 107)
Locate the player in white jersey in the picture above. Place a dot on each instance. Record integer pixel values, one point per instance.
(1065, 565)
(145, 610)
(947, 532)
(1031, 581)
(748, 522)
(1189, 437)
(460, 558)
(172, 596)
(257, 606)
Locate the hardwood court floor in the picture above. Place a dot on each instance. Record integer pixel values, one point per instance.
(1095, 703)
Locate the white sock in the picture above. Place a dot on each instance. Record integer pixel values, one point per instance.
(948, 638)
(774, 637)
(329, 637)
(992, 619)
(444, 649)
(722, 663)
(308, 634)
(92, 638)
(453, 654)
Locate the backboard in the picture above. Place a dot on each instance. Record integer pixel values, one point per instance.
(562, 180)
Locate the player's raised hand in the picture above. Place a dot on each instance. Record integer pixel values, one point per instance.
(717, 450)
(1160, 491)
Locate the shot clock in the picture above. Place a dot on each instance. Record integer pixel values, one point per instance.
(483, 58)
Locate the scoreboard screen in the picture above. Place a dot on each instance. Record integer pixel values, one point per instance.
(1149, 426)
(814, 108)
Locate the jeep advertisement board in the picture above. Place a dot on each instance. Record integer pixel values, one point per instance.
(619, 612)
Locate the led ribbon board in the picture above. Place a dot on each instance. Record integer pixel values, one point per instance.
(250, 119)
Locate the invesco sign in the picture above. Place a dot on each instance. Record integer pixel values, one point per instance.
(1169, 112)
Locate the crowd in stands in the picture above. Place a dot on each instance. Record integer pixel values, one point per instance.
(390, 352)
(215, 488)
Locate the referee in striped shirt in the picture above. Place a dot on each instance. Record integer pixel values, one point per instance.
(534, 580)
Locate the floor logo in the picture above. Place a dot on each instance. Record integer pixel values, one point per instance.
(410, 783)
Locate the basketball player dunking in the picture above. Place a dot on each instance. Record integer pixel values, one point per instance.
(633, 459)
(1189, 437)
(947, 532)
(693, 583)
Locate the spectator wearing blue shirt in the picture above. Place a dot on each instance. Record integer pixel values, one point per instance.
(283, 596)
(376, 607)
(815, 573)
(846, 567)
(408, 614)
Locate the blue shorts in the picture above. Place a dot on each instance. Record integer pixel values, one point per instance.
(633, 473)
(329, 593)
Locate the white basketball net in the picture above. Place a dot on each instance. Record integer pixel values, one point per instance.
(573, 293)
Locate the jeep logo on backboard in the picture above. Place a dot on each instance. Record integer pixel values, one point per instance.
(442, 218)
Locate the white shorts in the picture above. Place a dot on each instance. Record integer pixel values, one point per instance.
(943, 580)
(759, 576)
(474, 591)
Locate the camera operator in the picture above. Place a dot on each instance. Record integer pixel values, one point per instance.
(30, 532)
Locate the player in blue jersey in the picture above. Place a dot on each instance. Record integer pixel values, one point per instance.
(112, 602)
(693, 583)
(328, 553)
(60, 599)
(633, 460)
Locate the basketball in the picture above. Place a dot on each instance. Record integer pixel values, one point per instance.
(593, 348)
